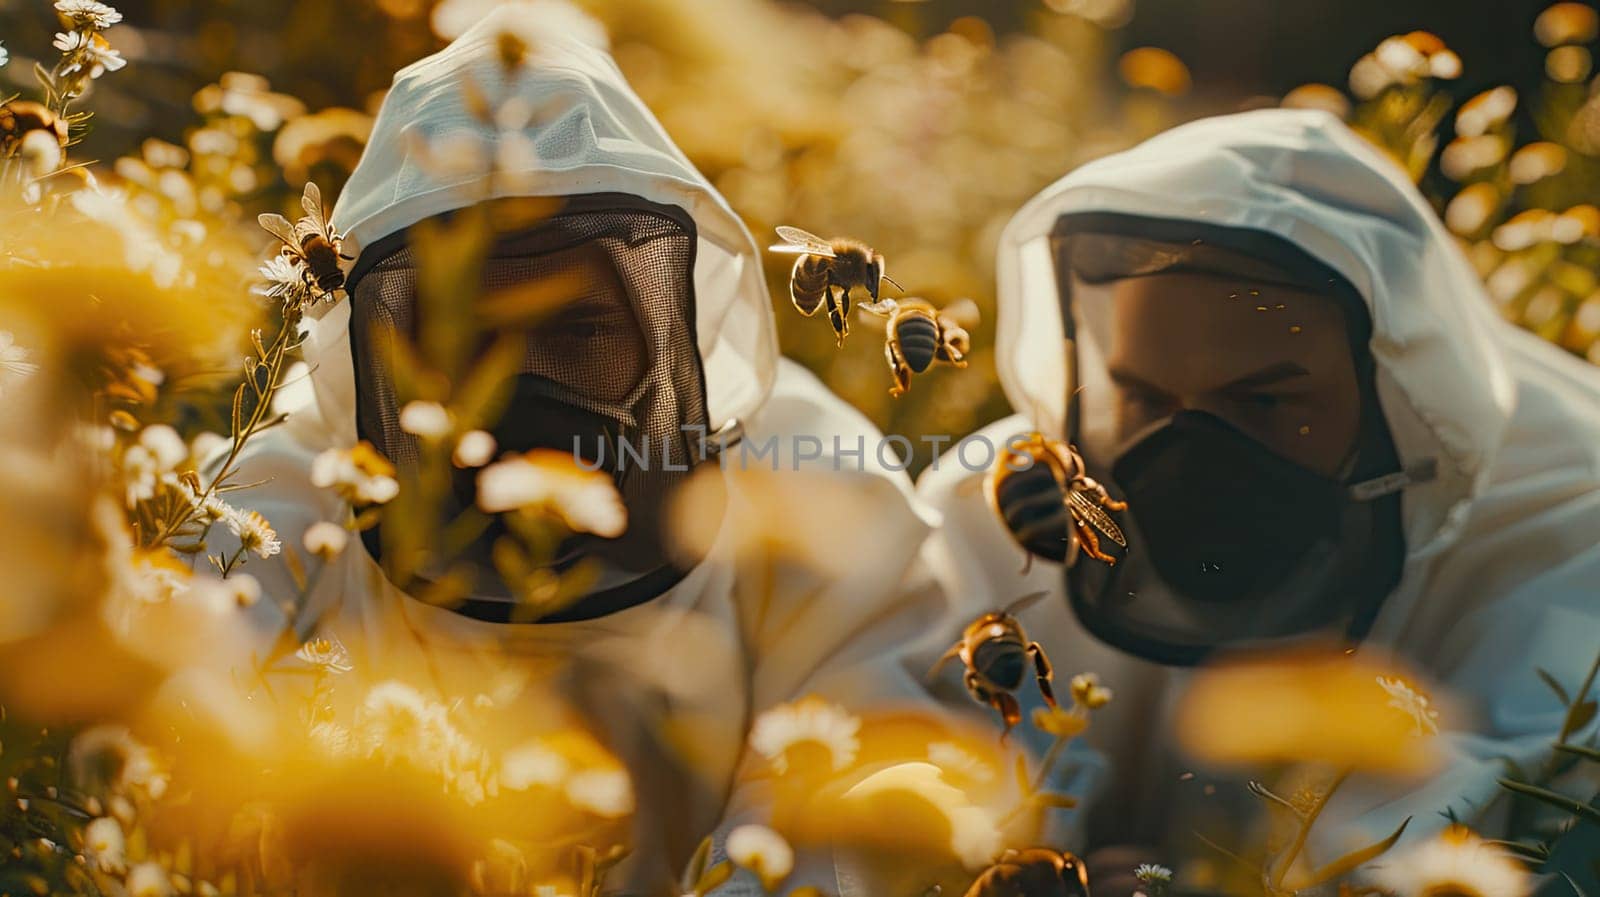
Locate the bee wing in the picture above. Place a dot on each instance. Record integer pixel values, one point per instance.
(311, 201)
(1082, 506)
(279, 227)
(1023, 603)
(802, 242)
(877, 314)
(963, 312)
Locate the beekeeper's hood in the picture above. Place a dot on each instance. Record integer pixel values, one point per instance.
(1281, 204)
(687, 353)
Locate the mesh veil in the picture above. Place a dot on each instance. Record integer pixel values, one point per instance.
(659, 405)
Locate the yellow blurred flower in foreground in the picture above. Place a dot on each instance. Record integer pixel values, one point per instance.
(1308, 706)
(910, 805)
(1456, 863)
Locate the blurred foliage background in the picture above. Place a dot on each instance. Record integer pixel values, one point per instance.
(918, 127)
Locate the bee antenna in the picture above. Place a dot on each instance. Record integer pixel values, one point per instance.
(893, 281)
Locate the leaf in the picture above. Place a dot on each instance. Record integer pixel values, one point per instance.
(1578, 750)
(714, 878)
(1353, 860)
(1534, 853)
(238, 412)
(297, 569)
(1056, 801)
(1574, 885)
(1265, 793)
(1581, 715)
(697, 864)
(1559, 801)
(1555, 686)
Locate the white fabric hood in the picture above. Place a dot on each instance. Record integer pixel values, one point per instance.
(1303, 176)
(1501, 546)
(590, 134)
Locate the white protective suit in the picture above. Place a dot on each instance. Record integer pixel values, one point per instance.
(1502, 556)
(699, 662)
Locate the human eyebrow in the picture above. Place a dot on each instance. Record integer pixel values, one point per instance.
(1126, 379)
(1270, 375)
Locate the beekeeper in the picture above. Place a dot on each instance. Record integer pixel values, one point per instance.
(676, 340)
(1260, 336)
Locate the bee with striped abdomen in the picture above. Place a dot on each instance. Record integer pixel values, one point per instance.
(918, 335)
(312, 243)
(826, 272)
(1034, 872)
(996, 652)
(1048, 502)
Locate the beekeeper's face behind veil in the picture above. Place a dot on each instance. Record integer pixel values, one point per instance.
(1223, 372)
(666, 335)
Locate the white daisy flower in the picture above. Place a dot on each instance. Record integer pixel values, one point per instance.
(284, 279)
(809, 720)
(165, 444)
(89, 13)
(104, 844)
(587, 500)
(253, 532)
(87, 52)
(325, 540)
(1455, 862)
(359, 474)
(1412, 703)
(326, 652)
(246, 589)
(606, 793)
(428, 420)
(762, 851)
(475, 448)
(5, 55)
(1149, 872)
(147, 880)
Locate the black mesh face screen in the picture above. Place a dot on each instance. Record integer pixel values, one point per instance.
(624, 344)
(620, 348)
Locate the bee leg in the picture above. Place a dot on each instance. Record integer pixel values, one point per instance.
(1091, 544)
(1009, 711)
(948, 656)
(1042, 672)
(1102, 496)
(897, 367)
(1027, 562)
(841, 324)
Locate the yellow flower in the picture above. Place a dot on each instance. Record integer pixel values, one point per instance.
(1088, 692)
(147, 880)
(1304, 706)
(809, 721)
(1455, 864)
(1060, 723)
(762, 851)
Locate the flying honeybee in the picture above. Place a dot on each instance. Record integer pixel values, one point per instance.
(826, 266)
(918, 335)
(310, 242)
(996, 653)
(1049, 503)
(1034, 872)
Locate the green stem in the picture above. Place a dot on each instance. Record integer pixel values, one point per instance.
(1285, 862)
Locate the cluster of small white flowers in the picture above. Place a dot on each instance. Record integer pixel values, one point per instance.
(587, 501)
(87, 52)
(359, 474)
(1413, 703)
(158, 452)
(396, 721)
